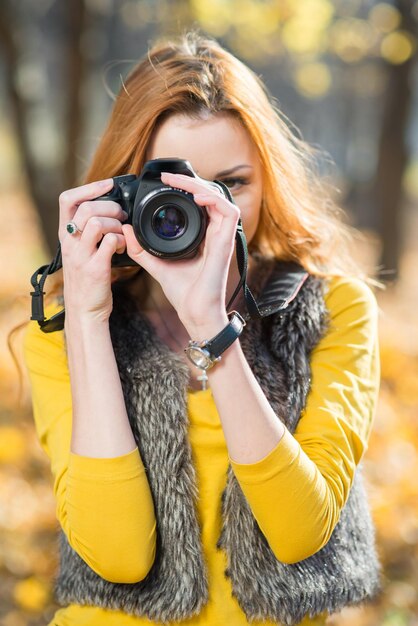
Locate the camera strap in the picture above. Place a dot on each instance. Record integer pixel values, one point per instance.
(282, 288)
(56, 322)
(241, 251)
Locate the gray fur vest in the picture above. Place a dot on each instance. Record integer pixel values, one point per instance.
(346, 571)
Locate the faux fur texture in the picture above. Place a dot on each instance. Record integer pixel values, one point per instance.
(346, 571)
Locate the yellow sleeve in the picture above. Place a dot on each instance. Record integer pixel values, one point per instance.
(308, 475)
(104, 505)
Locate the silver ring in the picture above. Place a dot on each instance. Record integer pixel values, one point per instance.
(72, 228)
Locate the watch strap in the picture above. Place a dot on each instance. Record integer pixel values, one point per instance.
(226, 337)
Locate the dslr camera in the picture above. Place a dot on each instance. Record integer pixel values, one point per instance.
(166, 221)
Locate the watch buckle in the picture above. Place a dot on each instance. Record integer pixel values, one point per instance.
(241, 319)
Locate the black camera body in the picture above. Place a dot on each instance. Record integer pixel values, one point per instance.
(166, 221)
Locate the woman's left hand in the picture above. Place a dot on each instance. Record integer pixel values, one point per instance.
(195, 287)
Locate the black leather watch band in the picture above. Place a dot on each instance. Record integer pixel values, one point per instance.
(226, 337)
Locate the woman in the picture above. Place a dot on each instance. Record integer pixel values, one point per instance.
(239, 502)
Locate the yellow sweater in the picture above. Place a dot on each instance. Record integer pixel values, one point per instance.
(296, 492)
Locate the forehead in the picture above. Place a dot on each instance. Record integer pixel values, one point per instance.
(211, 144)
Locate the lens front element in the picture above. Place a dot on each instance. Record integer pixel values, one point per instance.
(169, 221)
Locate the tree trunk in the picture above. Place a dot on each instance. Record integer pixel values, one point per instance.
(393, 157)
(77, 17)
(43, 185)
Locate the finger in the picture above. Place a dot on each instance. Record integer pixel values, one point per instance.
(100, 208)
(93, 232)
(189, 183)
(149, 262)
(71, 198)
(220, 234)
(221, 211)
(111, 243)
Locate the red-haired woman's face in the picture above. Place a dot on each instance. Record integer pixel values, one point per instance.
(217, 147)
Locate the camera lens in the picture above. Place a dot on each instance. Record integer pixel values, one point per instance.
(169, 221)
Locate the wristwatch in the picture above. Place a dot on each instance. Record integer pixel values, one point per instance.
(204, 354)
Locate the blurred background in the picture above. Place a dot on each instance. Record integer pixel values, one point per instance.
(345, 73)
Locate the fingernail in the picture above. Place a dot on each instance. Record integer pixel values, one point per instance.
(106, 183)
(124, 215)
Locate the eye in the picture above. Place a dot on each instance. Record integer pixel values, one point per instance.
(235, 183)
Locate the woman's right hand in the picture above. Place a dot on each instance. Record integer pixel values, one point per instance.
(86, 267)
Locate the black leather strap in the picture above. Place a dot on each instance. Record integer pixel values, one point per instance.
(241, 251)
(226, 337)
(56, 322)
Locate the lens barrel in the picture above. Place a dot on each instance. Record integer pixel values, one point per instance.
(168, 223)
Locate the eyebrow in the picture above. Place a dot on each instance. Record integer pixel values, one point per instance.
(232, 170)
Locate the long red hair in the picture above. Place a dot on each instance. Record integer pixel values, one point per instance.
(195, 76)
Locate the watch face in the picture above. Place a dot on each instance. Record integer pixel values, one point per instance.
(199, 357)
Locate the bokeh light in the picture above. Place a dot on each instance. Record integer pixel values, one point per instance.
(313, 80)
(397, 47)
(385, 17)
